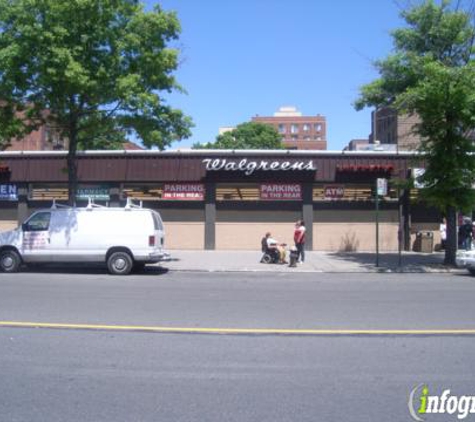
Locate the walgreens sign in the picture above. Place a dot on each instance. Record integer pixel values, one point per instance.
(248, 167)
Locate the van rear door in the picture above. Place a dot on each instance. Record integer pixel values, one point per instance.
(159, 231)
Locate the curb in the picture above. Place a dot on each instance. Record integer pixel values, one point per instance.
(387, 270)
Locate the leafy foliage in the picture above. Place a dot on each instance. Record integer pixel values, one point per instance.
(98, 66)
(249, 135)
(432, 74)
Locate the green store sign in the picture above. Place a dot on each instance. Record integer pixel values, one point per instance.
(99, 193)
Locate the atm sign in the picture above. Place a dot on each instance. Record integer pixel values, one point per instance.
(334, 192)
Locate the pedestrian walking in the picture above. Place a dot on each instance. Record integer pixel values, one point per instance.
(465, 234)
(443, 234)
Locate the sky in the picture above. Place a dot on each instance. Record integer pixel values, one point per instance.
(241, 58)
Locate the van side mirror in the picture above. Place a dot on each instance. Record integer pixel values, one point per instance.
(24, 227)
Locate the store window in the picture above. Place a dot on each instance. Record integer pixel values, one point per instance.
(165, 192)
(348, 192)
(259, 192)
(39, 192)
(146, 192)
(59, 192)
(237, 192)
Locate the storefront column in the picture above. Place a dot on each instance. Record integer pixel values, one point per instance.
(22, 213)
(307, 214)
(406, 220)
(210, 216)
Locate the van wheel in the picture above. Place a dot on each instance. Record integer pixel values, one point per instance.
(10, 261)
(471, 271)
(119, 263)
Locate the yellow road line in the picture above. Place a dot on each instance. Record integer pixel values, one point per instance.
(203, 330)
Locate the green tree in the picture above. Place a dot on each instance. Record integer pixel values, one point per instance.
(431, 74)
(99, 69)
(249, 135)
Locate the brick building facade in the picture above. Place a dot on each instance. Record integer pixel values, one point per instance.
(298, 131)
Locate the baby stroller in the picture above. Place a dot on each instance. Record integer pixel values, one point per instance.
(270, 256)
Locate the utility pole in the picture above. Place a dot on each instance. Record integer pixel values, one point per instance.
(381, 190)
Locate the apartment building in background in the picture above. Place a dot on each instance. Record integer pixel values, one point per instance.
(390, 131)
(46, 139)
(391, 128)
(358, 145)
(298, 131)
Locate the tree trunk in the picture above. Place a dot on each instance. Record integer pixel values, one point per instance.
(452, 241)
(72, 167)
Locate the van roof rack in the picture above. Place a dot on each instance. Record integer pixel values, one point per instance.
(55, 206)
(91, 204)
(130, 204)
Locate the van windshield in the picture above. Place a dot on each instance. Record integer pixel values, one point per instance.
(157, 222)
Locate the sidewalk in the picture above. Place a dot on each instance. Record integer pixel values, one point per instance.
(317, 262)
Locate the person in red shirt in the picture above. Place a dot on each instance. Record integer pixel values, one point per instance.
(299, 239)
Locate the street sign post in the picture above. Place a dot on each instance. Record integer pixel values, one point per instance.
(381, 190)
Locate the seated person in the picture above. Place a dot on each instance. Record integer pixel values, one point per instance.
(272, 244)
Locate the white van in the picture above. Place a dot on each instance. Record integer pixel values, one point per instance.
(122, 238)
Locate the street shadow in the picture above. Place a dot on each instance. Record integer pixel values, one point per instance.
(465, 274)
(389, 260)
(88, 269)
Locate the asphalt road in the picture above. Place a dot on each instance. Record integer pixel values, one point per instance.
(106, 375)
(248, 300)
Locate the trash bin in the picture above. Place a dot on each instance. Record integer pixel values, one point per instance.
(424, 242)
